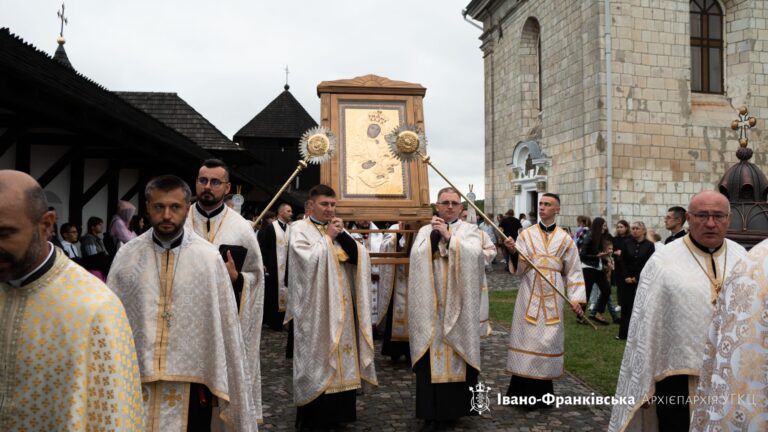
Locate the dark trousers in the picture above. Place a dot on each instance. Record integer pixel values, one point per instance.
(673, 415)
(445, 401)
(627, 302)
(200, 409)
(390, 348)
(530, 387)
(289, 344)
(595, 276)
(328, 410)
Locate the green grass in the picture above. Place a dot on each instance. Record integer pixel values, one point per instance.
(592, 355)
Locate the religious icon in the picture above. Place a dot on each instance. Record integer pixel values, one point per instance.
(369, 169)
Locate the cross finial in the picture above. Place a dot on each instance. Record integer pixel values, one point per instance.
(742, 124)
(63, 19)
(286, 78)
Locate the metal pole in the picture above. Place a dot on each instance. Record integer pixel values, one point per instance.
(498, 230)
(301, 166)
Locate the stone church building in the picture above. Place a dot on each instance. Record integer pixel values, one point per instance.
(680, 70)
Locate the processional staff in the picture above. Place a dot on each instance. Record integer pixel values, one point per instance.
(316, 146)
(407, 143)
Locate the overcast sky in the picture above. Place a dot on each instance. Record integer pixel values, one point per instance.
(227, 60)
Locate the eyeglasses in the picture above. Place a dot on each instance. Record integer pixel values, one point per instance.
(214, 181)
(449, 203)
(704, 217)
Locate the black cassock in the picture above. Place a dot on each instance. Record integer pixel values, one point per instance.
(268, 244)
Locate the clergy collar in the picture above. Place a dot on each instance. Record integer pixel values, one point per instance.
(38, 271)
(547, 229)
(169, 244)
(210, 214)
(317, 222)
(282, 224)
(453, 221)
(705, 249)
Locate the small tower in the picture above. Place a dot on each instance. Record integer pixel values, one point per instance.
(61, 54)
(746, 187)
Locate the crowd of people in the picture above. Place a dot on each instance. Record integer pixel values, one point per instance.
(157, 325)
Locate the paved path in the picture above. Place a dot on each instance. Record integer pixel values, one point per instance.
(391, 405)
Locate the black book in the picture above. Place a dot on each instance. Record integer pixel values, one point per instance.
(238, 254)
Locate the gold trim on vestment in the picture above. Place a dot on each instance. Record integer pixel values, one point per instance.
(190, 379)
(534, 353)
(166, 262)
(358, 283)
(415, 359)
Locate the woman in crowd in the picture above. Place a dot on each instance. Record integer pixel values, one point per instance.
(635, 252)
(591, 254)
(119, 229)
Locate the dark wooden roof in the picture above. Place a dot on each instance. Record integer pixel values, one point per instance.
(175, 112)
(61, 56)
(284, 117)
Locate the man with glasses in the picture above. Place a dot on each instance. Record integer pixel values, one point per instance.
(69, 236)
(233, 235)
(446, 290)
(675, 300)
(674, 221)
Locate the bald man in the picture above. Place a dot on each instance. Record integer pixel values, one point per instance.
(675, 300)
(67, 359)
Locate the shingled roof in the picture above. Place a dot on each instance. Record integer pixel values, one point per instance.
(175, 112)
(284, 117)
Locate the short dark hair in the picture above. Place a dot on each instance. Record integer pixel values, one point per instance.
(678, 211)
(321, 189)
(93, 221)
(66, 227)
(167, 183)
(281, 205)
(552, 195)
(216, 163)
(448, 190)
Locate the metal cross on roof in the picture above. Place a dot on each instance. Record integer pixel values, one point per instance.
(743, 124)
(63, 19)
(286, 77)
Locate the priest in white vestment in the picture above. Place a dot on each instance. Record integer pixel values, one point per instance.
(673, 308)
(67, 358)
(733, 385)
(393, 298)
(445, 289)
(372, 243)
(223, 227)
(329, 301)
(180, 302)
(536, 352)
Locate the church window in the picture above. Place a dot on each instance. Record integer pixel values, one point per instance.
(706, 46)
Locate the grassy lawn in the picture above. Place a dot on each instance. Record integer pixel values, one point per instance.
(593, 356)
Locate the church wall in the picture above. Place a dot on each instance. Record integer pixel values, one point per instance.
(668, 141)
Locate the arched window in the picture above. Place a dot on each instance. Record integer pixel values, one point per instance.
(529, 56)
(706, 46)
